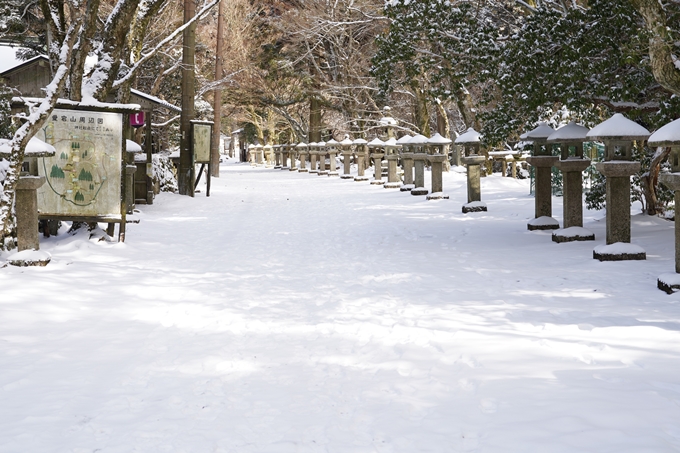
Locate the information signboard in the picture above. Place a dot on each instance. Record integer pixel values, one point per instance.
(84, 176)
(202, 133)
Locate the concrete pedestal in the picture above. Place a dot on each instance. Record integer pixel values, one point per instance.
(361, 168)
(474, 184)
(333, 170)
(346, 161)
(419, 179)
(377, 169)
(437, 163)
(312, 162)
(393, 181)
(618, 175)
(543, 191)
(27, 212)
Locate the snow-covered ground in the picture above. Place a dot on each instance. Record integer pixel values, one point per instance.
(295, 313)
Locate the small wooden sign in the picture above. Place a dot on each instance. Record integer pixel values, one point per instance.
(137, 119)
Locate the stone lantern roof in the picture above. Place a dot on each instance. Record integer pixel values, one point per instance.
(301, 145)
(668, 135)
(404, 139)
(346, 141)
(571, 133)
(376, 142)
(541, 132)
(391, 142)
(618, 128)
(320, 144)
(470, 136)
(360, 141)
(332, 143)
(437, 139)
(418, 139)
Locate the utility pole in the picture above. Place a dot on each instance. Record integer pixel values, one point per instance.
(217, 99)
(186, 175)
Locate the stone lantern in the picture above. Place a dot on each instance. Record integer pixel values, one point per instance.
(313, 155)
(388, 122)
(471, 141)
(362, 155)
(284, 156)
(292, 154)
(418, 145)
(26, 204)
(542, 160)
(406, 162)
(259, 154)
(571, 165)
(277, 156)
(251, 154)
(333, 147)
(321, 156)
(347, 148)
(438, 147)
(302, 149)
(618, 134)
(392, 157)
(669, 136)
(269, 155)
(377, 145)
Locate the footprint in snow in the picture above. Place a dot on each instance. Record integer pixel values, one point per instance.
(488, 405)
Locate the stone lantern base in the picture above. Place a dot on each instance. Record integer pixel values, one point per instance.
(669, 283)
(543, 223)
(27, 258)
(407, 187)
(419, 191)
(361, 178)
(474, 206)
(572, 234)
(392, 185)
(303, 170)
(437, 196)
(333, 173)
(313, 172)
(619, 251)
(378, 182)
(346, 177)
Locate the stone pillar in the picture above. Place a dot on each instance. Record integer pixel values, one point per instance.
(27, 212)
(322, 163)
(361, 164)
(407, 162)
(312, 162)
(284, 158)
(293, 160)
(377, 169)
(333, 169)
(130, 188)
(393, 181)
(504, 167)
(437, 163)
(474, 183)
(543, 193)
(277, 155)
(303, 162)
(346, 161)
(618, 175)
(419, 180)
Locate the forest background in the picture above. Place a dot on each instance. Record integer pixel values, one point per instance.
(306, 70)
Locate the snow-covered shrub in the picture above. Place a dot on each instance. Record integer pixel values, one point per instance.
(164, 173)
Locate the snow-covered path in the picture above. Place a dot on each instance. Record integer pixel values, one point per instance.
(295, 313)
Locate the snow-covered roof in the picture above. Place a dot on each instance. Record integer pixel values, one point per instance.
(391, 142)
(132, 147)
(470, 136)
(92, 103)
(667, 135)
(388, 121)
(572, 132)
(376, 142)
(541, 132)
(437, 139)
(320, 144)
(332, 143)
(346, 141)
(404, 139)
(35, 148)
(301, 145)
(618, 127)
(156, 100)
(418, 139)
(360, 141)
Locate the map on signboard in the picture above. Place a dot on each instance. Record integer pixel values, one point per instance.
(84, 176)
(201, 134)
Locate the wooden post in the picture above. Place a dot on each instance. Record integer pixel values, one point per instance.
(217, 102)
(149, 161)
(186, 174)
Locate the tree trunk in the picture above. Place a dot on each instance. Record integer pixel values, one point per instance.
(422, 115)
(650, 180)
(660, 44)
(314, 119)
(217, 99)
(444, 130)
(185, 177)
